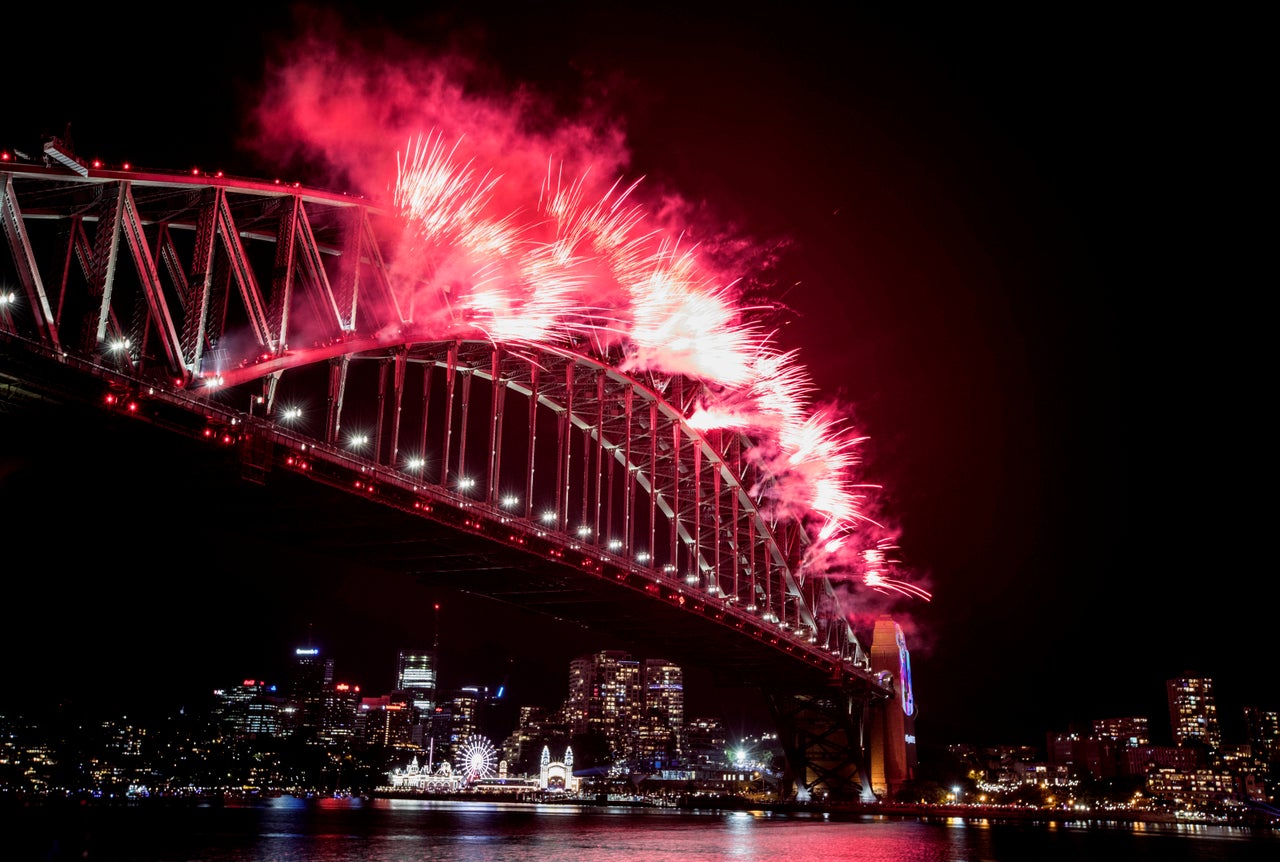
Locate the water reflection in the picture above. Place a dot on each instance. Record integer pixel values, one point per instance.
(292, 830)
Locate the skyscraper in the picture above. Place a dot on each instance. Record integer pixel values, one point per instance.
(660, 737)
(605, 698)
(310, 681)
(416, 676)
(1193, 711)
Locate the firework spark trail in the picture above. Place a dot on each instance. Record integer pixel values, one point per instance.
(444, 202)
(574, 270)
(603, 228)
(876, 562)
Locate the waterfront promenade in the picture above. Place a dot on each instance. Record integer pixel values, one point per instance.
(1245, 816)
(1254, 817)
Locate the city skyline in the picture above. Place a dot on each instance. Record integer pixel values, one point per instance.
(702, 698)
(976, 246)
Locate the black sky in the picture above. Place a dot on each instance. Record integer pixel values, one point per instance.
(1018, 242)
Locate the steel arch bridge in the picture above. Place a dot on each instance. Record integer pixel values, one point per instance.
(260, 321)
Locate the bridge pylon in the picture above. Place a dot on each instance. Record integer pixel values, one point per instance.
(824, 739)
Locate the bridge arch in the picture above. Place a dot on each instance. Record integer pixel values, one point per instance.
(624, 473)
(239, 301)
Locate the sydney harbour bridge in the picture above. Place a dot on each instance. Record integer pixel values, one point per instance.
(256, 334)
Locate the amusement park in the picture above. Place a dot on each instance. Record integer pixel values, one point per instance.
(478, 771)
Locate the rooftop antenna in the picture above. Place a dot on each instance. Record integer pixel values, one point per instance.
(435, 659)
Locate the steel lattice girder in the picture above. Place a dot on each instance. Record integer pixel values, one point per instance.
(627, 466)
(824, 741)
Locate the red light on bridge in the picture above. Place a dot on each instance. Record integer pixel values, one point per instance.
(132, 407)
(5, 157)
(97, 163)
(195, 172)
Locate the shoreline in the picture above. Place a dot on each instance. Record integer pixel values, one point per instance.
(826, 810)
(858, 810)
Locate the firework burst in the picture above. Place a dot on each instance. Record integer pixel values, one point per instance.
(594, 272)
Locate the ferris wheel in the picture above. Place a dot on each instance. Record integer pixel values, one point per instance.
(477, 759)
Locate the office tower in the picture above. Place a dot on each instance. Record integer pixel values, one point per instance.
(1193, 712)
(341, 707)
(384, 722)
(251, 708)
(416, 676)
(310, 680)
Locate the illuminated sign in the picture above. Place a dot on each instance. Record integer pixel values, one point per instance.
(309, 651)
(911, 739)
(904, 672)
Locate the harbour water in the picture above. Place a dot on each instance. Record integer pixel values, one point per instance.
(289, 829)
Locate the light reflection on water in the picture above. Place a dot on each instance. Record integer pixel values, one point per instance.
(294, 830)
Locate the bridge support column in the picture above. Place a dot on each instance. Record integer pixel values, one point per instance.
(822, 737)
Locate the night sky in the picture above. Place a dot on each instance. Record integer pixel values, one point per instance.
(1015, 244)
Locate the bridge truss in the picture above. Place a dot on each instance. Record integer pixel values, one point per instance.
(264, 318)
